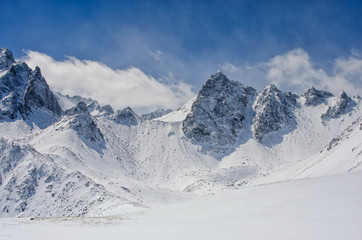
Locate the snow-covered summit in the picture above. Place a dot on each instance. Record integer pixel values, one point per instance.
(38, 96)
(6, 59)
(273, 111)
(79, 119)
(127, 117)
(218, 113)
(314, 97)
(342, 105)
(25, 94)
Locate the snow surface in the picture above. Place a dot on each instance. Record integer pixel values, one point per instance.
(318, 208)
(180, 114)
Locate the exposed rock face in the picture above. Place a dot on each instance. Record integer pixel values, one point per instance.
(107, 109)
(343, 105)
(272, 108)
(127, 117)
(314, 97)
(155, 114)
(6, 59)
(38, 96)
(24, 92)
(12, 87)
(219, 112)
(83, 123)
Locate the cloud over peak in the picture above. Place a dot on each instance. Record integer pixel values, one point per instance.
(294, 71)
(120, 87)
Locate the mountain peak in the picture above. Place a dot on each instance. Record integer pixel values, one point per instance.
(342, 105)
(272, 108)
(127, 117)
(217, 78)
(83, 123)
(218, 114)
(80, 108)
(6, 58)
(314, 97)
(270, 88)
(343, 95)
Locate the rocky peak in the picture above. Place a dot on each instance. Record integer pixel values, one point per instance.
(218, 113)
(342, 105)
(127, 117)
(6, 58)
(83, 123)
(38, 96)
(80, 109)
(217, 78)
(12, 87)
(24, 92)
(107, 109)
(272, 111)
(314, 97)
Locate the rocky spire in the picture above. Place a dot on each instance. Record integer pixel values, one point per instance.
(24, 92)
(127, 117)
(314, 97)
(219, 112)
(6, 58)
(272, 112)
(342, 105)
(83, 123)
(38, 96)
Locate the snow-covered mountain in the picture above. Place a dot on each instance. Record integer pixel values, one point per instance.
(25, 94)
(69, 156)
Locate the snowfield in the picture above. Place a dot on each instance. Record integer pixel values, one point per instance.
(317, 208)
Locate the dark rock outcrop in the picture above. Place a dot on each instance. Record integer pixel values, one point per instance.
(314, 97)
(272, 111)
(343, 105)
(83, 123)
(127, 117)
(219, 112)
(6, 58)
(24, 94)
(37, 96)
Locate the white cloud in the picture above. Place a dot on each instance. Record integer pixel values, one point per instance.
(294, 71)
(156, 54)
(120, 88)
(250, 75)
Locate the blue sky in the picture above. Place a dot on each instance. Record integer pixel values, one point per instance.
(184, 40)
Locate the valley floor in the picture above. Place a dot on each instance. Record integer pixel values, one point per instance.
(317, 208)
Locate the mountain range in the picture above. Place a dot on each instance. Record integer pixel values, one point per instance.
(66, 155)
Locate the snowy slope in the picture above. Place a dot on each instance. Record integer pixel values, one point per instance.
(319, 208)
(341, 155)
(34, 185)
(180, 114)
